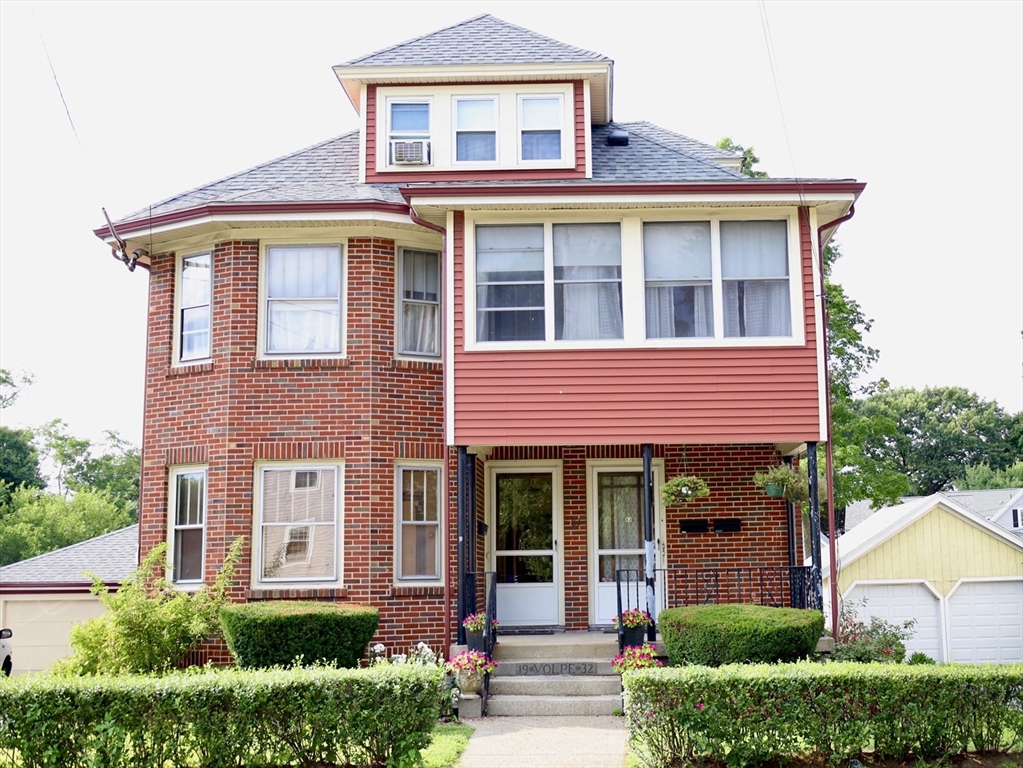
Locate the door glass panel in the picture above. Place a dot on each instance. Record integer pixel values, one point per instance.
(620, 511)
(609, 564)
(525, 524)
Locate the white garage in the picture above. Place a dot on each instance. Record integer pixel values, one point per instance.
(43, 597)
(985, 621)
(936, 561)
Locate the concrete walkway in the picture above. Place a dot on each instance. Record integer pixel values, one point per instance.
(546, 742)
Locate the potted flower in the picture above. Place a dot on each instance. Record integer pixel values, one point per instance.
(633, 625)
(469, 667)
(636, 657)
(474, 625)
(784, 482)
(683, 488)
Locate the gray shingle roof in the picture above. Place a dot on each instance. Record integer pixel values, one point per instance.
(112, 557)
(481, 40)
(329, 171)
(325, 172)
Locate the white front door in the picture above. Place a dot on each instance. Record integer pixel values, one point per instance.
(525, 527)
(617, 538)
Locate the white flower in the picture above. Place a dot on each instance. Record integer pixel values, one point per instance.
(379, 648)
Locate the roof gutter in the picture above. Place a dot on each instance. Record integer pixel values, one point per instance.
(829, 448)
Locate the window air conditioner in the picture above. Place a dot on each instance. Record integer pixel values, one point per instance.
(410, 152)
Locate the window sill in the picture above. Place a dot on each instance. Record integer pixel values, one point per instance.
(267, 363)
(298, 593)
(413, 364)
(190, 369)
(421, 590)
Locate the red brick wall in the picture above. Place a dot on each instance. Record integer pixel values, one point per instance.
(369, 410)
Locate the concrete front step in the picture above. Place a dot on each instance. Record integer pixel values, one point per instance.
(572, 667)
(556, 685)
(567, 645)
(547, 706)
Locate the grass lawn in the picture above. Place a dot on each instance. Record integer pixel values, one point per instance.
(449, 741)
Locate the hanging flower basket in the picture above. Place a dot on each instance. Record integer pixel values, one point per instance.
(785, 482)
(682, 489)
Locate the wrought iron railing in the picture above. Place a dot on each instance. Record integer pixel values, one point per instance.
(485, 592)
(791, 586)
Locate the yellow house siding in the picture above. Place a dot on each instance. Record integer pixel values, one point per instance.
(940, 547)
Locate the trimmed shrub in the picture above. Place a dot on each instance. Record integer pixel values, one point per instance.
(753, 714)
(279, 632)
(313, 716)
(712, 635)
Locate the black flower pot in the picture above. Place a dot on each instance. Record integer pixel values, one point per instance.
(474, 640)
(633, 635)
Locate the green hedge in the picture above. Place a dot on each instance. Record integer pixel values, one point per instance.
(751, 714)
(277, 632)
(213, 718)
(733, 634)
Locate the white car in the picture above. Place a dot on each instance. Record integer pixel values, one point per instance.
(5, 652)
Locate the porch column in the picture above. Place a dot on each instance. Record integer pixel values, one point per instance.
(648, 528)
(815, 526)
(791, 524)
(463, 461)
(470, 533)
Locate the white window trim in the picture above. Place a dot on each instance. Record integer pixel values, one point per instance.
(179, 273)
(172, 508)
(422, 581)
(399, 282)
(633, 280)
(263, 314)
(257, 525)
(389, 131)
(495, 101)
(566, 144)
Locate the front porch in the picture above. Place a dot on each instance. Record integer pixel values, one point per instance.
(569, 536)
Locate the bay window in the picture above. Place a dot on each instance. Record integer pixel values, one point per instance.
(418, 532)
(419, 291)
(303, 300)
(194, 290)
(298, 523)
(188, 524)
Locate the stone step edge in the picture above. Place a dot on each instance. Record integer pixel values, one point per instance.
(549, 668)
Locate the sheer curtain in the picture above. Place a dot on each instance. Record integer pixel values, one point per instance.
(588, 281)
(754, 266)
(420, 295)
(304, 299)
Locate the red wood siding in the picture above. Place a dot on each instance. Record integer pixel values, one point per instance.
(394, 177)
(567, 397)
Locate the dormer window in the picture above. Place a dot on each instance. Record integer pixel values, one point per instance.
(540, 120)
(409, 133)
(475, 130)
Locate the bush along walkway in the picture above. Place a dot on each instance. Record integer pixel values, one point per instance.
(546, 742)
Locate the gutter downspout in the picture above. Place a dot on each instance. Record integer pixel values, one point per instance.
(829, 455)
(447, 478)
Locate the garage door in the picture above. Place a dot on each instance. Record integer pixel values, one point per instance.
(42, 628)
(897, 603)
(985, 621)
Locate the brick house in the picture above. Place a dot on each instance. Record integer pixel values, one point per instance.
(464, 345)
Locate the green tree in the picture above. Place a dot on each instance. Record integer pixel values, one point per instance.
(11, 385)
(37, 522)
(749, 158)
(981, 477)
(19, 465)
(939, 431)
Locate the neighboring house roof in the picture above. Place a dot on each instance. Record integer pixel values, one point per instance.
(986, 503)
(329, 171)
(887, 522)
(112, 557)
(481, 40)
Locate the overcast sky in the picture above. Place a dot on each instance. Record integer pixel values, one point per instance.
(923, 101)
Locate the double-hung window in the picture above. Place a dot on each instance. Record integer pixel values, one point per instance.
(540, 125)
(418, 523)
(188, 524)
(475, 130)
(409, 132)
(575, 269)
(194, 290)
(303, 300)
(419, 291)
(298, 523)
(755, 277)
(679, 291)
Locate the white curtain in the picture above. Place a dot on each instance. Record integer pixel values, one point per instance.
(754, 265)
(303, 293)
(588, 271)
(419, 329)
(757, 308)
(692, 305)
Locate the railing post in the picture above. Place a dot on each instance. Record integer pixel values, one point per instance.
(815, 526)
(461, 560)
(648, 529)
